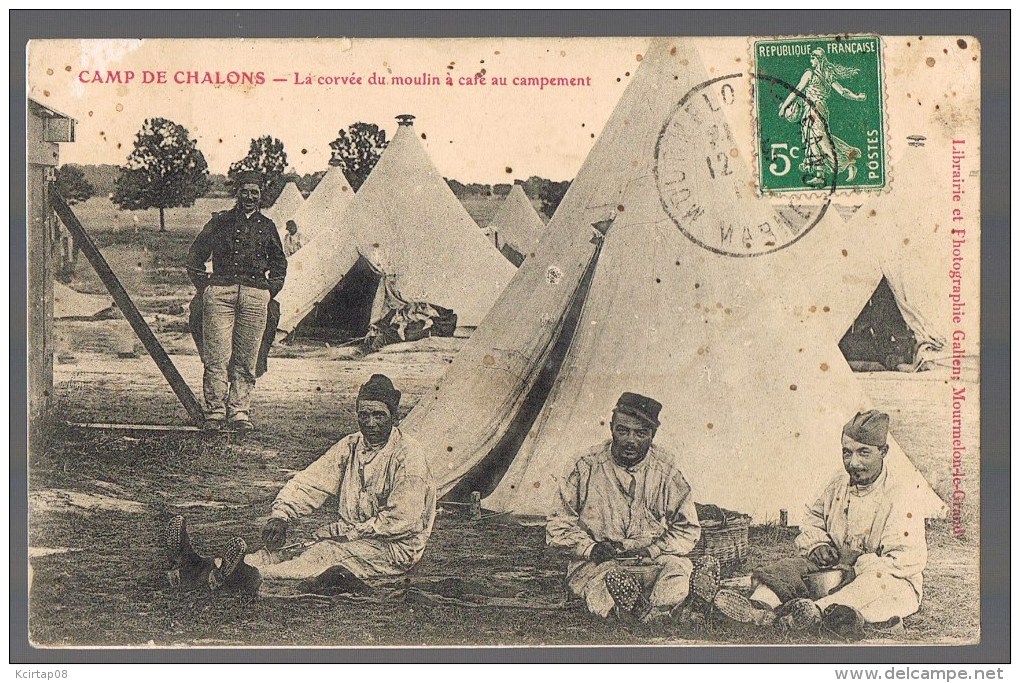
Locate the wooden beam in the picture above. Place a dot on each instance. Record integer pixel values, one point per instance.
(127, 306)
(114, 426)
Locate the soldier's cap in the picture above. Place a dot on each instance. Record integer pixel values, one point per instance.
(380, 388)
(870, 427)
(642, 407)
(249, 178)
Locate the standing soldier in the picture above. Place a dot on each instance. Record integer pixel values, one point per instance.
(248, 269)
(293, 240)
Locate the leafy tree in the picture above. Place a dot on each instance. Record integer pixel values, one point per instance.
(266, 157)
(457, 186)
(309, 181)
(551, 195)
(72, 185)
(357, 150)
(164, 170)
(502, 189)
(533, 186)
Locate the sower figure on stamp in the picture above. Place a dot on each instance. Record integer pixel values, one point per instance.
(625, 499)
(386, 506)
(862, 523)
(249, 268)
(824, 153)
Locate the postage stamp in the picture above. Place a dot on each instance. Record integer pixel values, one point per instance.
(819, 112)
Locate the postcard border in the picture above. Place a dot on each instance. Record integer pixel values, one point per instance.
(990, 27)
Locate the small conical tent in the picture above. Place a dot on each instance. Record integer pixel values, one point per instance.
(754, 388)
(67, 303)
(325, 205)
(884, 245)
(908, 253)
(517, 227)
(286, 205)
(404, 223)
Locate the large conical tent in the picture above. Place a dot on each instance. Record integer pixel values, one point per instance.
(322, 210)
(332, 289)
(286, 205)
(404, 223)
(517, 227)
(741, 351)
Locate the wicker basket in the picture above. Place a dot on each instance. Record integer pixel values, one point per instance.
(723, 535)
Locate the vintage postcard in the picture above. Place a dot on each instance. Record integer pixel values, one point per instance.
(629, 341)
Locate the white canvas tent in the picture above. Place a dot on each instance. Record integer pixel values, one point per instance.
(516, 228)
(286, 205)
(909, 249)
(490, 236)
(406, 223)
(316, 273)
(67, 303)
(851, 254)
(754, 387)
(322, 210)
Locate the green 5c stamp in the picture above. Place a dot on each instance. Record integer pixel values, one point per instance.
(819, 111)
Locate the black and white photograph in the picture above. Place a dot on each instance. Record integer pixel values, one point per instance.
(362, 342)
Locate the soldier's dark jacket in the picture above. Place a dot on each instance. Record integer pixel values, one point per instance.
(245, 251)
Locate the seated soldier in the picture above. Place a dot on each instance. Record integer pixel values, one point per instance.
(626, 498)
(864, 523)
(386, 507)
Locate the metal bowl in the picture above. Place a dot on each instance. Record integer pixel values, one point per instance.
(632, 561)
(644, 570)
(819, 583)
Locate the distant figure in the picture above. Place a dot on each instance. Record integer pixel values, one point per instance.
(249, 268)
(864, 524)
(625, 501)
(385, 507)
(293, 240)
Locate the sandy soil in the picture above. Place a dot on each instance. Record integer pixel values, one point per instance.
(99, 501)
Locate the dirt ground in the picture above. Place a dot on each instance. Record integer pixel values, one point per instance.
(99, 501)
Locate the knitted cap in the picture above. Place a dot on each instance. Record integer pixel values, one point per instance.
(380, 388)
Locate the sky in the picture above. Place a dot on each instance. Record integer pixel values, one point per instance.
(473, 132)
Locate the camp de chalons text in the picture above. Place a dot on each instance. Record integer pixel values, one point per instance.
(186, 77)
(182, 77)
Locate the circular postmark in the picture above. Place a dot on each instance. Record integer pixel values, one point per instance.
(704, 188)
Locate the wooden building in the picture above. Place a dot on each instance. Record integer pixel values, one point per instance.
(45, 128)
